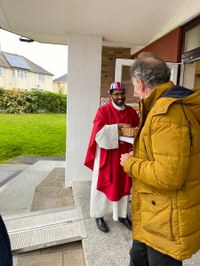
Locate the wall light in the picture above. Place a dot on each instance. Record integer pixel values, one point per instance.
(24, 39)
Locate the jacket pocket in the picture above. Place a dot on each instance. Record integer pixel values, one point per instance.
(156, 215)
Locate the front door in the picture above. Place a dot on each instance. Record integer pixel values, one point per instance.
(122, 67)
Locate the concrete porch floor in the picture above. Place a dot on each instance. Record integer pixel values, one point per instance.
(48, 192)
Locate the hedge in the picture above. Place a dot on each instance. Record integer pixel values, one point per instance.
(15, 101)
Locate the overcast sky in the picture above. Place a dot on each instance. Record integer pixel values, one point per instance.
(52, 58)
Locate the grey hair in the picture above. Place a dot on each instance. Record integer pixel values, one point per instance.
(151, 69)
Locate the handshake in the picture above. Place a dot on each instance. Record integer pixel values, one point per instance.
(124, 157)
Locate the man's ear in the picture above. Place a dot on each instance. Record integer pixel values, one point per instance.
(141, 84)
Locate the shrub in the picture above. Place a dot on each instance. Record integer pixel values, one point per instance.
(14, 101)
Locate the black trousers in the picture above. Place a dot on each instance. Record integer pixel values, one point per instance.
(5, 248)
(142, 255)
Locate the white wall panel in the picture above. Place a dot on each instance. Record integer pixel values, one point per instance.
(84, 71)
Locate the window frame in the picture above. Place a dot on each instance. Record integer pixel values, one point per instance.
(41, 77)
(19, 73)
(194, 54)
(1, 71)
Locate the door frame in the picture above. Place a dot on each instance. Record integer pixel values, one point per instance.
(120, 62)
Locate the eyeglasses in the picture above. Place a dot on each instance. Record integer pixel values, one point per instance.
(122, 94)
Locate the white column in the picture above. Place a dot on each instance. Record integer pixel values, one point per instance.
(84, 72)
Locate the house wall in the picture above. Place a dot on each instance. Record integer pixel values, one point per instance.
(6, 79)
(31, 82)
(168, 47)
(35, 83)
(60, 87)
(109, 56)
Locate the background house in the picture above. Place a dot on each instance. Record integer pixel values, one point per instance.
(18, 72)
(60, 84)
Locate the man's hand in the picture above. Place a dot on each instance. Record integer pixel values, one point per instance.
(125, 157)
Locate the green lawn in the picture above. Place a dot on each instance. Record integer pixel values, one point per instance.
(32, 135)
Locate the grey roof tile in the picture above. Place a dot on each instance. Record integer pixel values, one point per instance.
(61, 79)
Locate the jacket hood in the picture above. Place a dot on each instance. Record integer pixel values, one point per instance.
(177, 92)
(168, 94)
(185, 96)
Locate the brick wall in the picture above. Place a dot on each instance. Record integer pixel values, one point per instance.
(109, 54)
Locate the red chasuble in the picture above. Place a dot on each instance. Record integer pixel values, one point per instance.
(111, 180)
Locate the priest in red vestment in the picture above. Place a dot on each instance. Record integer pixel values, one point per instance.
(110, 187)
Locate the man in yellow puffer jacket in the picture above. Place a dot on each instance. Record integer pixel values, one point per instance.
(165, 167)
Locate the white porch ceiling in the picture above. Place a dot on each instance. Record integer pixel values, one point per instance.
(125, 23)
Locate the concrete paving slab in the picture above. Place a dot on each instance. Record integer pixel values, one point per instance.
(61, 165)
(72, 253)
(63, 255)
(74, 258)
(17, 194)
(51, 193)
(41, 259)
(6, 170)
(34, 159)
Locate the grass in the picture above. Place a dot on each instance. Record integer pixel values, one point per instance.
(32, 135)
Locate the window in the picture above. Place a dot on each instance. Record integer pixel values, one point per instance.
(19, 74)
(41, 77)
(14, 73)
(191, 41)
(190, 73)
(1, 71)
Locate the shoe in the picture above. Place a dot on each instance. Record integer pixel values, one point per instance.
(126, 221)
(102, 226)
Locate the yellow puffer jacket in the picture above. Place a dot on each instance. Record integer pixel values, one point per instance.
(166, 173)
